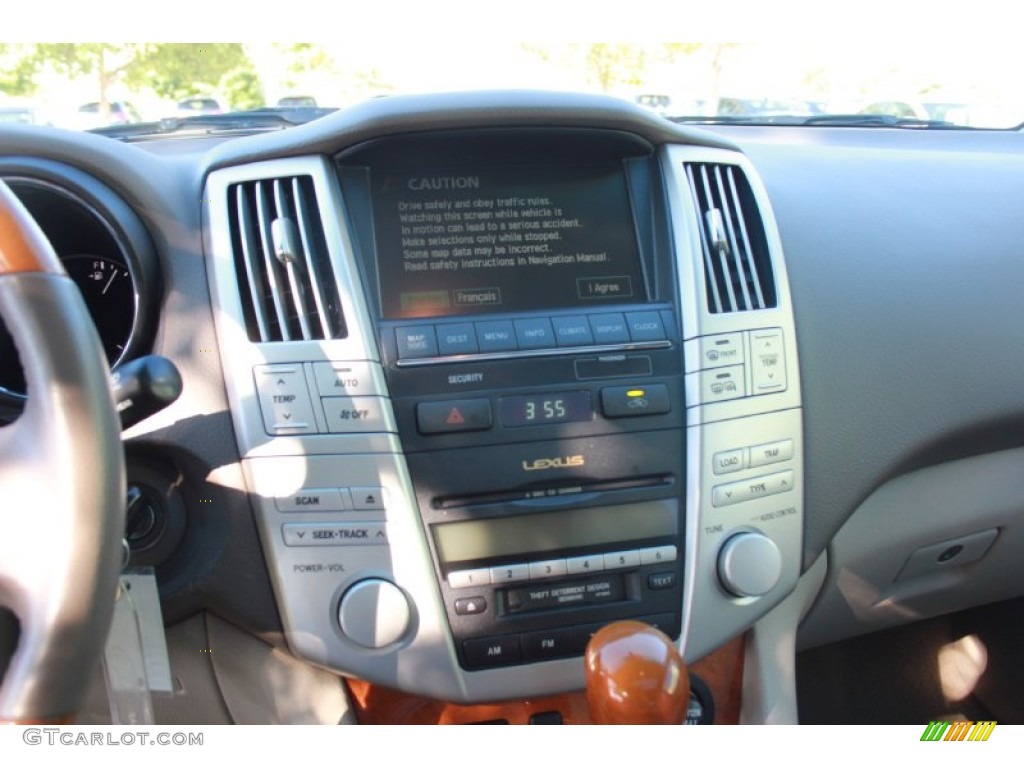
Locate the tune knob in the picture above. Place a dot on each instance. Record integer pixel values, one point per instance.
(749, 564)
(374, 613)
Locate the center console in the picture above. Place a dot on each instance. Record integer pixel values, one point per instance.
(495, 388)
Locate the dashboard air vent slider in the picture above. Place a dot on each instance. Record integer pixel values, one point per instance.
(287, 285)
(737, 264)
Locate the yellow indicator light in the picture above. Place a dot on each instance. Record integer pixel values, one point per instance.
(635, 393)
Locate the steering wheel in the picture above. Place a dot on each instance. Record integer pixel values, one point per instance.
(62, 483)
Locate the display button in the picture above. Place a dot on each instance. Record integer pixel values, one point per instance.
(771, 453)
(456, 339)
(334, 534)
(492, 651)
(547, 644)
(768, 360)
(665, 554)
(478, 577)
(661, 580)
(754, 488)
(534, 333)
(724, 462)
(572, 331)
(720, 350)
(357, 414)
(284, 400)
(470, 606)
(722, 384)
(626, 559)
(585, 564)
(344, 379)
(312, 500)
(639, 400)
(507, 574)
(645, 326)
(609, 328)
(464, 415)
(496, 336)
(416, 341)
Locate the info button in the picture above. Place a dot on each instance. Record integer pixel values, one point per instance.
(442, 416)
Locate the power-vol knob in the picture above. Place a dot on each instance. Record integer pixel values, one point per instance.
(374, 613)
(749, 564)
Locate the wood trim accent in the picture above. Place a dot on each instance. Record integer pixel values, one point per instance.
(56, 720)
(721, 671)
(22, 246)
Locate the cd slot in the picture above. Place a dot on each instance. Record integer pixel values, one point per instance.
(568, 492)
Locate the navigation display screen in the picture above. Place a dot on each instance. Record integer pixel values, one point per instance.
(509, 239)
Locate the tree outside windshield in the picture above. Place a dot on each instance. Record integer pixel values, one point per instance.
(90, 85)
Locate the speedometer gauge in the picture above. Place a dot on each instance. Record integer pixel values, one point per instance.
(109, 295)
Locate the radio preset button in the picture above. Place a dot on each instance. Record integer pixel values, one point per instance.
(626, 559)
(416, 341)
(464, 415)
(585, 564)
(545, 569)
(496, 336)
(572, 331)
(477, 577)
(534, 333)
(507, 574)
(456, 339)
(666, 554)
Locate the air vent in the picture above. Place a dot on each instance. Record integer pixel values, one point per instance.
(284, 272)
(737, 266)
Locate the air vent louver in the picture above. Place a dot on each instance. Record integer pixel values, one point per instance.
(737, 265)
(284, 272)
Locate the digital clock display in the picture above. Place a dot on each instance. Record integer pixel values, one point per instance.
(548, 408)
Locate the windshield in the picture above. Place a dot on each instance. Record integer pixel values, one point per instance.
(91, 85)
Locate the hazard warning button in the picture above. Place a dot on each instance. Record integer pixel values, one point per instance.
(466, 415)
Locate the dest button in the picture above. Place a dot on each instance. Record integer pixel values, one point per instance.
(442, 416)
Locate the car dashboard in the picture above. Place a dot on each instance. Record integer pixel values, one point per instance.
(468, 377)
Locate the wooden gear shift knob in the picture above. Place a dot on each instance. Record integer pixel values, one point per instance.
(635, 676)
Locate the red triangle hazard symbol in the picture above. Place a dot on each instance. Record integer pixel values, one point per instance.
(455, 417)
